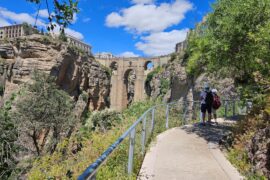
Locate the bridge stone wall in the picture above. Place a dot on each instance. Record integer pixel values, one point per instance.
(120, 67)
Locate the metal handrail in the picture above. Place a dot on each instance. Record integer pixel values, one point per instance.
(91, 171)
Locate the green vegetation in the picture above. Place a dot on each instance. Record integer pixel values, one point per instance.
(164, 86)
(77, 50)
(28, 29)
(156, 71)
(8, 138)
(41, 106)
(62, 37)
(63, 13)
(93, 141)
(46, 39)
(103, 120)
(234, 42)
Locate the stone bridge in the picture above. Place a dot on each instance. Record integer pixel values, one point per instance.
(123, 90)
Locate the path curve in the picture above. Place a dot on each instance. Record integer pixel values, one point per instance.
(188, 153)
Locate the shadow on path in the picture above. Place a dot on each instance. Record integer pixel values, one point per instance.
(211, 133)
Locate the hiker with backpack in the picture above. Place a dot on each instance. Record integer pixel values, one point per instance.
(216, 104)
(206, 103)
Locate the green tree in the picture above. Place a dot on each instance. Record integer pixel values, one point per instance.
(63, 13)
(42, 106)
(236, 37)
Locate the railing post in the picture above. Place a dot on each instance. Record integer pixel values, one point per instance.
(185, 113)
(226, 108)
(143, 134)
(153, 120)
(167, 116)
(234, 108)
(131, 151)
(93, 177)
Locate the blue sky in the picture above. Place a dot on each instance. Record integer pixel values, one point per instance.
(123, 27)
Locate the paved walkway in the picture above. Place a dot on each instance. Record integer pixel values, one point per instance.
(188, 153)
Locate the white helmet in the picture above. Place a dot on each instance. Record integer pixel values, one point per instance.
(214, 90)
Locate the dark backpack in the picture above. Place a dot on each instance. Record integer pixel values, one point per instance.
(216, 102)
(209, 98)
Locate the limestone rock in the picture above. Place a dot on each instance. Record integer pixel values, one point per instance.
(259, 152)
(74, 73)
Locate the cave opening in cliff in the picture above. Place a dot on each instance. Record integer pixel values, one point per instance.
(129, 81)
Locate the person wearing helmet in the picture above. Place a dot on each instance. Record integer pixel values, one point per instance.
(216, 103)
(206, 103)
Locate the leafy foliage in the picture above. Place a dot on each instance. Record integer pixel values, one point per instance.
(42, 106)
(93, 144)
(235, 36)
(150, 76)
(28, 29)
(8, 138)
(103, 120)
(63, 14)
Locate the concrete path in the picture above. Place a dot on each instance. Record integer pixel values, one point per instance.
(188, 153)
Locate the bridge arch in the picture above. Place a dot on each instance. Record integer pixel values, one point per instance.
(148, 65)
(129, 78)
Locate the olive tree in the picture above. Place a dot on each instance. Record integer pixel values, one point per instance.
(42, 108)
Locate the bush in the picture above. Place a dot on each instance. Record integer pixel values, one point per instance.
(103, 120)
(43, 106)
(8, 138)
(164, 86)
(153, 73)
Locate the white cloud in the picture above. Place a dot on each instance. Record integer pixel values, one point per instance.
(74, 33)
(142, 1)
(128, 54)
(8, 17)
(43, 13)
(19, 17)
(142, 18)
(3, 22)
(85, 20)
(161, 43)
(75, 18)
(68, 31)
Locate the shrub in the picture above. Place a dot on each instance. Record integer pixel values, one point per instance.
(43, 106)
(8, 138)
(103, 120)
(164, 86)
(153, 73)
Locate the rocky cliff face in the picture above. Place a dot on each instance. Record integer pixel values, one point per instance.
(184, 87)
(259, 152)
(75, 73)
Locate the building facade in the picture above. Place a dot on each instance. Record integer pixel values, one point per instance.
(104, 55)
(13, 31)
(78, 43)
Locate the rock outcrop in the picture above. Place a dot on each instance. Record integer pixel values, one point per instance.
(259, 152)
(184, 87)
(75, 72)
